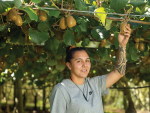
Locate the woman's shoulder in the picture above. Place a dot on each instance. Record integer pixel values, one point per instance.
(93, 79)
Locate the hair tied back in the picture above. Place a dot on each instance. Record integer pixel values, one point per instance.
(71, 47)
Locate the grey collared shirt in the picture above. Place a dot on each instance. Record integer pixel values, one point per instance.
(66, 97)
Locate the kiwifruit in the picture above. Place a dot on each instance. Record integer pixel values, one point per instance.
(62, 23)
(123, 27)
(77, 39)
(141, 46)
(42, 15)
(18, 21)
(59, 35)
(25, 29)
(37, 11)
(144, 59)
(12, 15)
(148, 60)
(112, 39)
(136, 39)
(137, 45)
(103, 43)
(71, 21)
(7, 16)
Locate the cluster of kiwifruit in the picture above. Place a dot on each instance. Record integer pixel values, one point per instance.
(67, 21)
(12, 15)
(42, 14)
(146, 60)
(112, 39)
(139, 45)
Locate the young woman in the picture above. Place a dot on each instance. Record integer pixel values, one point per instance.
(78, 94)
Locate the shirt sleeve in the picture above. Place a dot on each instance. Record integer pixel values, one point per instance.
(58, 103)
(101, 81)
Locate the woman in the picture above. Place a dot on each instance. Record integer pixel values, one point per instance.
(78, 94)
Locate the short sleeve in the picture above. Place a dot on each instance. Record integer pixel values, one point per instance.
(57, 101)
(101, 81)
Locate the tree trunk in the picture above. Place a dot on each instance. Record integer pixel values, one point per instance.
(127, 94)
(19, 95)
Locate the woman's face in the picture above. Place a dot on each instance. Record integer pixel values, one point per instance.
(80, 64)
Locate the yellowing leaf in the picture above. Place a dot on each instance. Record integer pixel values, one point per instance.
(108, 24)
(94, 3)
(142, 18)
(100, 14)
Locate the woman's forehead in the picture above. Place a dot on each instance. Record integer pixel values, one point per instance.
(80, 54)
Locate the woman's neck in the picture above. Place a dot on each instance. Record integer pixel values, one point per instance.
(77, 80)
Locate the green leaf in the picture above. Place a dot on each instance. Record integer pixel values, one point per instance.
(4, 5)
(116, 43)
(19, 73)
(30, 12)
(51, 62)
(36, 1)
(15, 34)
(134, 57)
(83, 26)
(60, 67)
(118, 5)
(100, 33)
(85, 42)
(108, 24)
(44, 26)
(69, 38)
(139, 33)
(114, 28)
(31, 54)
(11, 59)
(52, 44)
(18, 51)
(43, 57)
(148, 36)
(80, 5)
(28, 65)
(102, 51)
(2, 27)
(54, 13)
(61, 49)
(18, 3)
(38, 37)
(132, 50)
(137, 3)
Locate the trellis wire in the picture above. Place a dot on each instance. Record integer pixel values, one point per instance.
(92, 12)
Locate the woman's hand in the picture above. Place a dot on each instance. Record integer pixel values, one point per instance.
(123, 38)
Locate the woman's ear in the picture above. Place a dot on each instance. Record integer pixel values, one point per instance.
(68, 65)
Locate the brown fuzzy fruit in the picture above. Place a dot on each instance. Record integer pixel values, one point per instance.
(137, 46)
(136, 39)
(37, 11)
(62, 23)
(7, 16)
(148, 60)
(42, 15)
(103, 43)
(123, 27)
(141, 46)
(12, 15)
(18, 21)
(71, 21)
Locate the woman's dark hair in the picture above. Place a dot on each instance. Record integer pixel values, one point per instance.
(70, 52)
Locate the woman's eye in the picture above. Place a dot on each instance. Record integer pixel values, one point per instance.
(88, 61)
(78, 61)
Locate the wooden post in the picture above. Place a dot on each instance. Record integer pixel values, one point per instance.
(44, 98)
(0, 98)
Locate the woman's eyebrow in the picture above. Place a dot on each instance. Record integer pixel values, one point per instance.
(81, 58)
